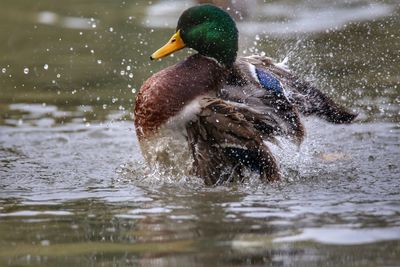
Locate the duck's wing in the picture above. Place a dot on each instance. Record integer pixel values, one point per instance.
(225, 142)
(308, 99)
(257, 89)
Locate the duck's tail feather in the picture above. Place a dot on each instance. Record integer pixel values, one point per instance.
(311, 101)
(224, 143)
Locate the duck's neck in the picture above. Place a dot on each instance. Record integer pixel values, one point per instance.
(225, 52)
(225, 57)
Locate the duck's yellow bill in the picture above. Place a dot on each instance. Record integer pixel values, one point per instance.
(174, 44)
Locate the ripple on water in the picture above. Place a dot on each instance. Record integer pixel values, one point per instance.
(30, 213)
(343, 236)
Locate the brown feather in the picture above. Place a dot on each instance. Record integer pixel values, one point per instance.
(219, 130)
(166, 93)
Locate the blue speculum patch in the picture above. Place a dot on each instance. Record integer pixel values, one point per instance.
(268, 81)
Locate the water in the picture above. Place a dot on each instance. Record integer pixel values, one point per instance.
(74, 191)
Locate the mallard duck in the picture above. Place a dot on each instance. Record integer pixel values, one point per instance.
(214, 114)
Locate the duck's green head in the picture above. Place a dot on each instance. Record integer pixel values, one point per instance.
(209, 30)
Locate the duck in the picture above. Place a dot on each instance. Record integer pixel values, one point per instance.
(214, 115)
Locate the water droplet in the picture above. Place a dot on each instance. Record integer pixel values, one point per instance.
(45, 242)
(99, 61)
(45, 66)
(114, 99)
(131, 75)
(133, 90)
(111, 29)
(26, 70)
(3, 70)
(58, 75)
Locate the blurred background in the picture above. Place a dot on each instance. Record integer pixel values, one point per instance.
(74, 189)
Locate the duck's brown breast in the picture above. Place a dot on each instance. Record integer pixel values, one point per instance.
(167, 92)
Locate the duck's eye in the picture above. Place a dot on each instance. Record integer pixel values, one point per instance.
(173, 40)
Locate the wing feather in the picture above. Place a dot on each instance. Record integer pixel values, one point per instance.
(225, 143)
(308, 99)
